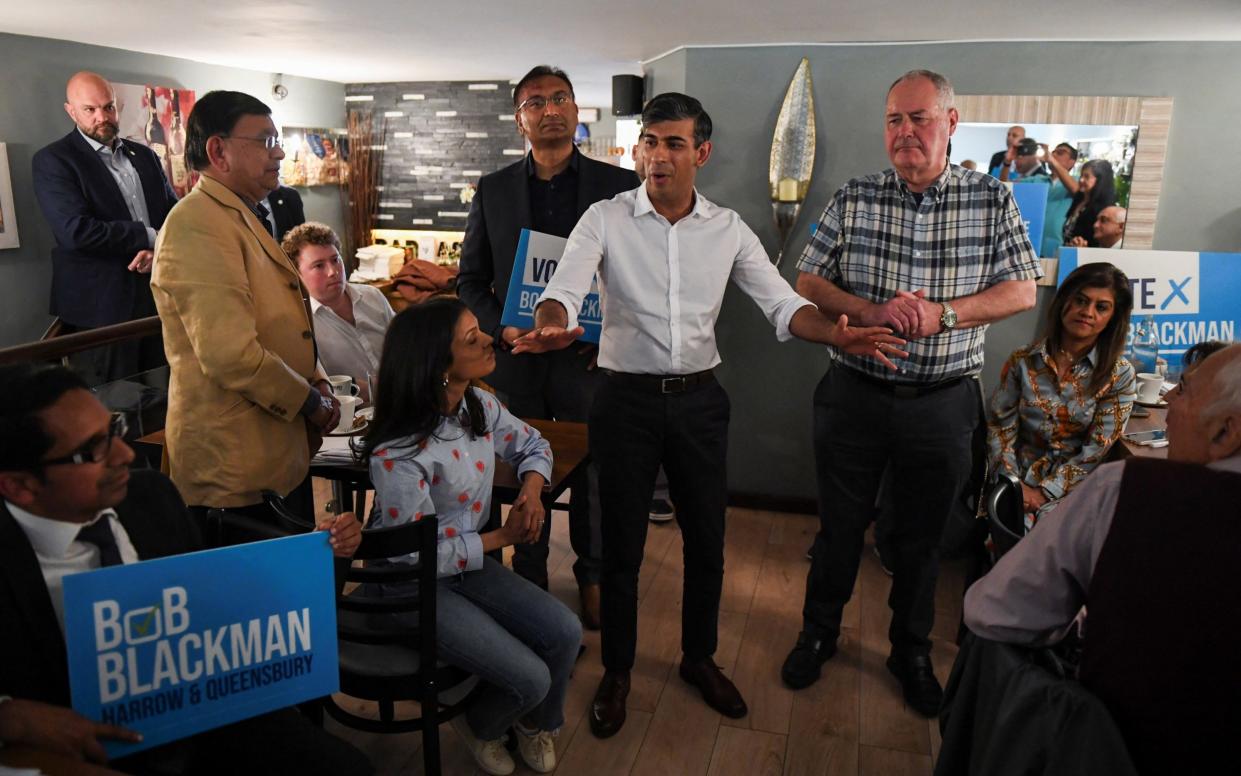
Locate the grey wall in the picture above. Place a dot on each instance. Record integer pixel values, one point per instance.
(32, 115)
(771, 386)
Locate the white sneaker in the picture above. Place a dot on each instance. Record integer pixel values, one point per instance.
(491, 756)
(537, 749)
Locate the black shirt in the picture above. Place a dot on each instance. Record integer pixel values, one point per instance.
(553, 203)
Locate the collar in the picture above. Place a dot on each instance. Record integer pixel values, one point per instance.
(51, 538)
(1090, 359)
(934, 190)
(573, 163)
(95, 144)
(642, 204)
(315, 304)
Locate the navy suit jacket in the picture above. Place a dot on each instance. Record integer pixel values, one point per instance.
(286, 209)
(499, 211)
(33, 660)
(96, 237)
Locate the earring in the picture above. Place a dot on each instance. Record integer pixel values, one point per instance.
(444, 382)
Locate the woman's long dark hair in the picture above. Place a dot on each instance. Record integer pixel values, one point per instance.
(1102, 195)
(1111, 342)
(409, 392)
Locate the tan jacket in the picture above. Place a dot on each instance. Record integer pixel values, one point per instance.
(240, 348)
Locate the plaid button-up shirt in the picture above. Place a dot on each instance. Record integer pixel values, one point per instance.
(875, 238)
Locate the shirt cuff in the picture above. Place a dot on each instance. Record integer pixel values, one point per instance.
(784, 316)
(312, 403)
(473, 551)
(541, 462)
(151, 234)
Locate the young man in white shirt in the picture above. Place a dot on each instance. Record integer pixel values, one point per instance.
(664, 255)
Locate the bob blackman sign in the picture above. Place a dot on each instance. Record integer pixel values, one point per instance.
(1192, 296)
(174, 646)
(538, 255)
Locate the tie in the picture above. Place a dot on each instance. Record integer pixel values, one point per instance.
(99, 533)
(261, 211)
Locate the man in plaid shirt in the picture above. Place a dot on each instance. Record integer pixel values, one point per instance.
(936, 252)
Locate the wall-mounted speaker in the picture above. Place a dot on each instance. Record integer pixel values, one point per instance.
(627, 93)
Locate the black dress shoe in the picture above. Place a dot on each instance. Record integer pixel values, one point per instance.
(719, 693)
(918, 683)
(804, 664)
(607, 711)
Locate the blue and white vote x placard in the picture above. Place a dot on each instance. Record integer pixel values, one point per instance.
(538, 255)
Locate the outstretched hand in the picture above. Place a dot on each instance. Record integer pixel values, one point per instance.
(877, 342)
(546, 338)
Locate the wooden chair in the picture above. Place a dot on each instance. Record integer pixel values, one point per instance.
(383, 661)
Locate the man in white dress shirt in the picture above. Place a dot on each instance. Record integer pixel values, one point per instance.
(664, 255)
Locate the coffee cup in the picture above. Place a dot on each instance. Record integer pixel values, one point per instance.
(342, 385)
(348, 407)
(1149, 384)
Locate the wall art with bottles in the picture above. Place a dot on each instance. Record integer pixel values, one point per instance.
(155, 116)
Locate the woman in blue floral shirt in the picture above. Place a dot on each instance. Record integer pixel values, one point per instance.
(1063, 401)
(432, 447)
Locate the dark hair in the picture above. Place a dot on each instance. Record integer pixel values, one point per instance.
(1111, 341)
(539, 71)
(674, 106)
(1104, 192)
(409, 392)
(215, 114)
(1072, 151)
(28, 390)
(1198, 353)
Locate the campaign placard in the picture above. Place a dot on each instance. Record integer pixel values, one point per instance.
(1192, 296)
(175, 646)
(538, 255)
(1031, 199)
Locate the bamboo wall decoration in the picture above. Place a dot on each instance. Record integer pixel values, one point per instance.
(362, 194)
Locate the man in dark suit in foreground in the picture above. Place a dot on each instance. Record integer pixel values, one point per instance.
(104, 198)
(68, 504)
(547, 191)
(286, 211)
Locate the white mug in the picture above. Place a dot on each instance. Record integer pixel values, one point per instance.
(1149, 384)
(348, 406)
(342, 385)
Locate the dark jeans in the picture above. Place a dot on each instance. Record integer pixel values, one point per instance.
(632, 432)
(567, 393)
(859, 431)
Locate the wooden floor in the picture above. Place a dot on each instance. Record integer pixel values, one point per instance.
(852, 721)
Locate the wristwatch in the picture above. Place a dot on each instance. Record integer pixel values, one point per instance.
(948, 318)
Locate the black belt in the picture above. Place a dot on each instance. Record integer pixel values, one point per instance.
(662, 383)
(905, 390)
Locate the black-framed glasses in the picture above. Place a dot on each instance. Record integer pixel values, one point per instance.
(96, 449)
(269, 141)
(539, 102)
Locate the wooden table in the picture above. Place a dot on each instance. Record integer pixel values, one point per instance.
(50, 763)
(1158, 419)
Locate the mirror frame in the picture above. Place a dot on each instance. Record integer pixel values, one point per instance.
(1152, 115)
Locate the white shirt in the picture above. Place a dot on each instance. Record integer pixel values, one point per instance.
(56, 545)
(116, 159)
(661, 285)
(351, 350)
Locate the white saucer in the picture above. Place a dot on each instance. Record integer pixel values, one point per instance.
(351, 432)
(1160, 403)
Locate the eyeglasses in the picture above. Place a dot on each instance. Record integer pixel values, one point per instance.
(97, 448)
(269, 141)
(539, 102)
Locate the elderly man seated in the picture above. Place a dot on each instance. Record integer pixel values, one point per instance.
(350, 319)
(68, 504)
(1152, 548)
(1109, 229)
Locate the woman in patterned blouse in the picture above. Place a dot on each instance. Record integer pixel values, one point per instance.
(432, 448)
(1064, 400)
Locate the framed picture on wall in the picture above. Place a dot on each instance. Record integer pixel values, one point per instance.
(8, 216)
(315, 157)
(155, 116)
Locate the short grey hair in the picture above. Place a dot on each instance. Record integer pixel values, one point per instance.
(943, 87)
(1227, 384)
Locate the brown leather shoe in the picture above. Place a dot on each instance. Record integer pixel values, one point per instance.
(607, 711)
(719, 693)
(590, 606)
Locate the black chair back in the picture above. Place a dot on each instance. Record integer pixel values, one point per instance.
(225, 529)
(1004, 514)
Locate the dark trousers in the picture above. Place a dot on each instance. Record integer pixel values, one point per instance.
(633, 431)
(859, 431)
(566, 393)
(300, 500)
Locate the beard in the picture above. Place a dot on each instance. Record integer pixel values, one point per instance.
(104, 133)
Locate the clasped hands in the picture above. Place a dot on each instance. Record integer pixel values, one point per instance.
(909, 314)
(524, 523)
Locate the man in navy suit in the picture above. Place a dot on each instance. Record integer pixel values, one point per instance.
(105, 198)
(547, 191)
(285, 211)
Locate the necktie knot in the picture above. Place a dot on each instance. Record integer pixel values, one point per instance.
(99, 533)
